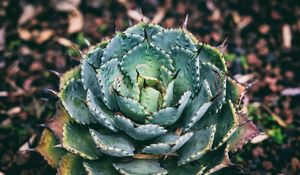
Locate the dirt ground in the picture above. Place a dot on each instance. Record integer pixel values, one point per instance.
(263, 51)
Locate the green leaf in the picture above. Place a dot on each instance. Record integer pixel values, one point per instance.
(89, 78)
(132, 109)
(144, 54)
(168, 98)
(167, 39)
(100, 111)
(119, 45)
(113, 144)
(184, 62)
(67, 76)
(140, 167)
(198, 107)
(234, 90)
(107, 75)
(47, 149)
(94, 56)
(245, 132)
(173, 169)
(212, 55)
(197, 145)
(70, 164)
(73, 98)
(142, 28)
(102, 166)
(170, 115)
(214, 160)
(227, 124)
(217, 83)
(167, 144)
(150, 99)
(165, 76)
(78, 140)
(139, 132)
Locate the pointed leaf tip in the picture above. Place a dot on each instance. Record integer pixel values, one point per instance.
(185, 23)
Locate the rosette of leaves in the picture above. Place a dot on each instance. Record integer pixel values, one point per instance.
(149, 101)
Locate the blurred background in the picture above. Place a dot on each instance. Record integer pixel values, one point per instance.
(263, 51)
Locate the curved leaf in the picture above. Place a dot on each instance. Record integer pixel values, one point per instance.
(139, 132)
(73, 98)
(78, 140)
(113, 144)
(47, 149)
(140, 167)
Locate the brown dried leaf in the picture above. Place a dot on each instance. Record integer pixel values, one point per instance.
(56, 123)
(42, 36)
(259, 138)
(75, 22)
(65, 5)
(14, 110)
(29, 12)
(24, 34)
(245, 21)
(276, 117)
(287, 36)
(160, 14)
(243, 79)
(146, 156)
(291, 91)
(3, 93)
(65, 42)
(2, 38)
(137, 16)
(295, 164)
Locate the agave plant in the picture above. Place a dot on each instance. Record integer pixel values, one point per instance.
(149, 101)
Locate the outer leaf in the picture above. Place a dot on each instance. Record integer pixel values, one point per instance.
(67, 76)
(214, 160)
(56, 123)
(73, 98)
(245, 132)
(198, 107)
(217, 83)
(234, 90)
(78, 140)
(212, 55)
(173, 169)
(46, 148)
(103, 166)
(197, 146)
(227, 124)
(71, 165)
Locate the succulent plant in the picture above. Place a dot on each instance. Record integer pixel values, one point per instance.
(149, 101)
